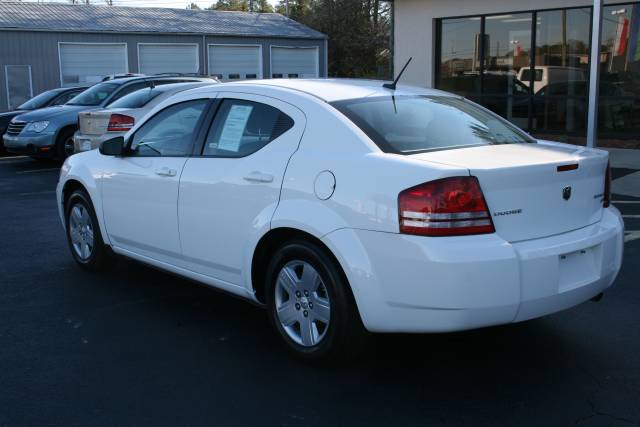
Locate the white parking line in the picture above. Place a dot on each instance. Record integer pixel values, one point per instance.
(625, 202)
(33, 193)
(631, 216)
(39, 170)
(631, 235)
(13, 158)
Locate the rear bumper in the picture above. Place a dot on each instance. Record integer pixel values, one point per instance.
(42, 145)
(417, 284)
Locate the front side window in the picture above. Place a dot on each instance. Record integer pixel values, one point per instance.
(412, 124)
(243, 127)
(170, 132)
(95, 95)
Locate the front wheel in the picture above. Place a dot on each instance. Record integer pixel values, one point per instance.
(83, 232)
(310, 305)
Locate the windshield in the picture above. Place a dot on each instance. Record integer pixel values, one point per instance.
(137, 99)
(95, 95)
(38, 101)
(410, 124)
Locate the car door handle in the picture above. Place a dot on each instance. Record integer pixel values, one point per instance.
(258, 177)
(165, 171)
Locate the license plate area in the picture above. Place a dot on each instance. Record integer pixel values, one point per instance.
(579, 268)
(84, 144)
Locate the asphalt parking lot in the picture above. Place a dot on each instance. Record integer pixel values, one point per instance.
(138, 346)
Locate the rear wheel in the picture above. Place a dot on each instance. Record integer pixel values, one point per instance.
(83, 232)
(310, 305)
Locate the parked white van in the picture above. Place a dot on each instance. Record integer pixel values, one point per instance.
(546, 74)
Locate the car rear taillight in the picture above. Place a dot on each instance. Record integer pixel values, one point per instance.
(606, 199)
(445, 207)
(120, 123)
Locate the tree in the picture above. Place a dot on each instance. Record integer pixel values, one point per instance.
(192, 6)
(237, 5)
(359, 33)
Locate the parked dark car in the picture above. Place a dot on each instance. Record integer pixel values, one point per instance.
(45, 99)
(48, 133)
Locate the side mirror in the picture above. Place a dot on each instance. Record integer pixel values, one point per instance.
(113, 146)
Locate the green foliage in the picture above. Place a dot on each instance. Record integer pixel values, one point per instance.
(242, 5)
(359, 34)
(359, 30)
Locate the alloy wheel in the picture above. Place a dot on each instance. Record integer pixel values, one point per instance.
(81, 231)
(302, 303)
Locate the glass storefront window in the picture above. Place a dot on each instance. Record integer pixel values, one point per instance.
(619, 99)
(533, 69)
(562, 71)
(509, 55)
(459, 55)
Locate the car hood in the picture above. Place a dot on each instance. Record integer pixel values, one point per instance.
(58, 111)
(12, 113)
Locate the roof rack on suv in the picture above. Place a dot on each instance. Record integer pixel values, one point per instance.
(120, 76)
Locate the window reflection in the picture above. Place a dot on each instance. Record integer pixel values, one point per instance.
(460, 55)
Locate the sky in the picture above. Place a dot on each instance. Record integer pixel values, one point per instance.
(179, 4)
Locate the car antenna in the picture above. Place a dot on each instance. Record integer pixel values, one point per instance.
(392, 86)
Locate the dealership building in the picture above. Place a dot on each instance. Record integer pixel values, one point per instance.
(48, 45)
(531, 62)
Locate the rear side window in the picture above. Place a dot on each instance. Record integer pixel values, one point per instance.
(243, 127)
(412, 124)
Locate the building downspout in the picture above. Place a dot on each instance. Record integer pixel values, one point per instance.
(594, 74)
(205, 60)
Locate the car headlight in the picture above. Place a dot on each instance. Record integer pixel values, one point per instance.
(37, 126)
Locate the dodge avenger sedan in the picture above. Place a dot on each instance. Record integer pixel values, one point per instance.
(346, 206)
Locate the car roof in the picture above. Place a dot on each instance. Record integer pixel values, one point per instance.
(179, 86)
(178, 79)
(331, 90)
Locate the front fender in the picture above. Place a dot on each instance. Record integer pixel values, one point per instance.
(80, 171)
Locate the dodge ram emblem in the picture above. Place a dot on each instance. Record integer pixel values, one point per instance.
(566, 193)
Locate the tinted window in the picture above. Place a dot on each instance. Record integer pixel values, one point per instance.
(38, 101)
(243, 127)
(127, 90)
(137, 99)
(170, 132)
(65, 97)
(526, 75)
(420, 123)
(95, 95)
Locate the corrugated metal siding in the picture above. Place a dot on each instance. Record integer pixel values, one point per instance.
(40, 50)
(87, 18)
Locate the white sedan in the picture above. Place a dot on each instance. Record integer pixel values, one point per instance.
(344, 206)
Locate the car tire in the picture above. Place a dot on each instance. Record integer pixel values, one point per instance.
(64, 144)
(83, 233)
(331, 329)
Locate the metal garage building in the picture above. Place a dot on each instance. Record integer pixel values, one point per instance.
(47, 45)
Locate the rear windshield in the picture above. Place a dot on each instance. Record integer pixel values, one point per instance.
(39, 101)
(95, 95)
(411, 124)
(137, 99)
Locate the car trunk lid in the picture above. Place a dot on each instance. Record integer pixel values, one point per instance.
(96, 122)
(534, 190)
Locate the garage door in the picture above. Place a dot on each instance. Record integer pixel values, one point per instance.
(90, 62)
(294, 62)
(233, 62)
(168, 58)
